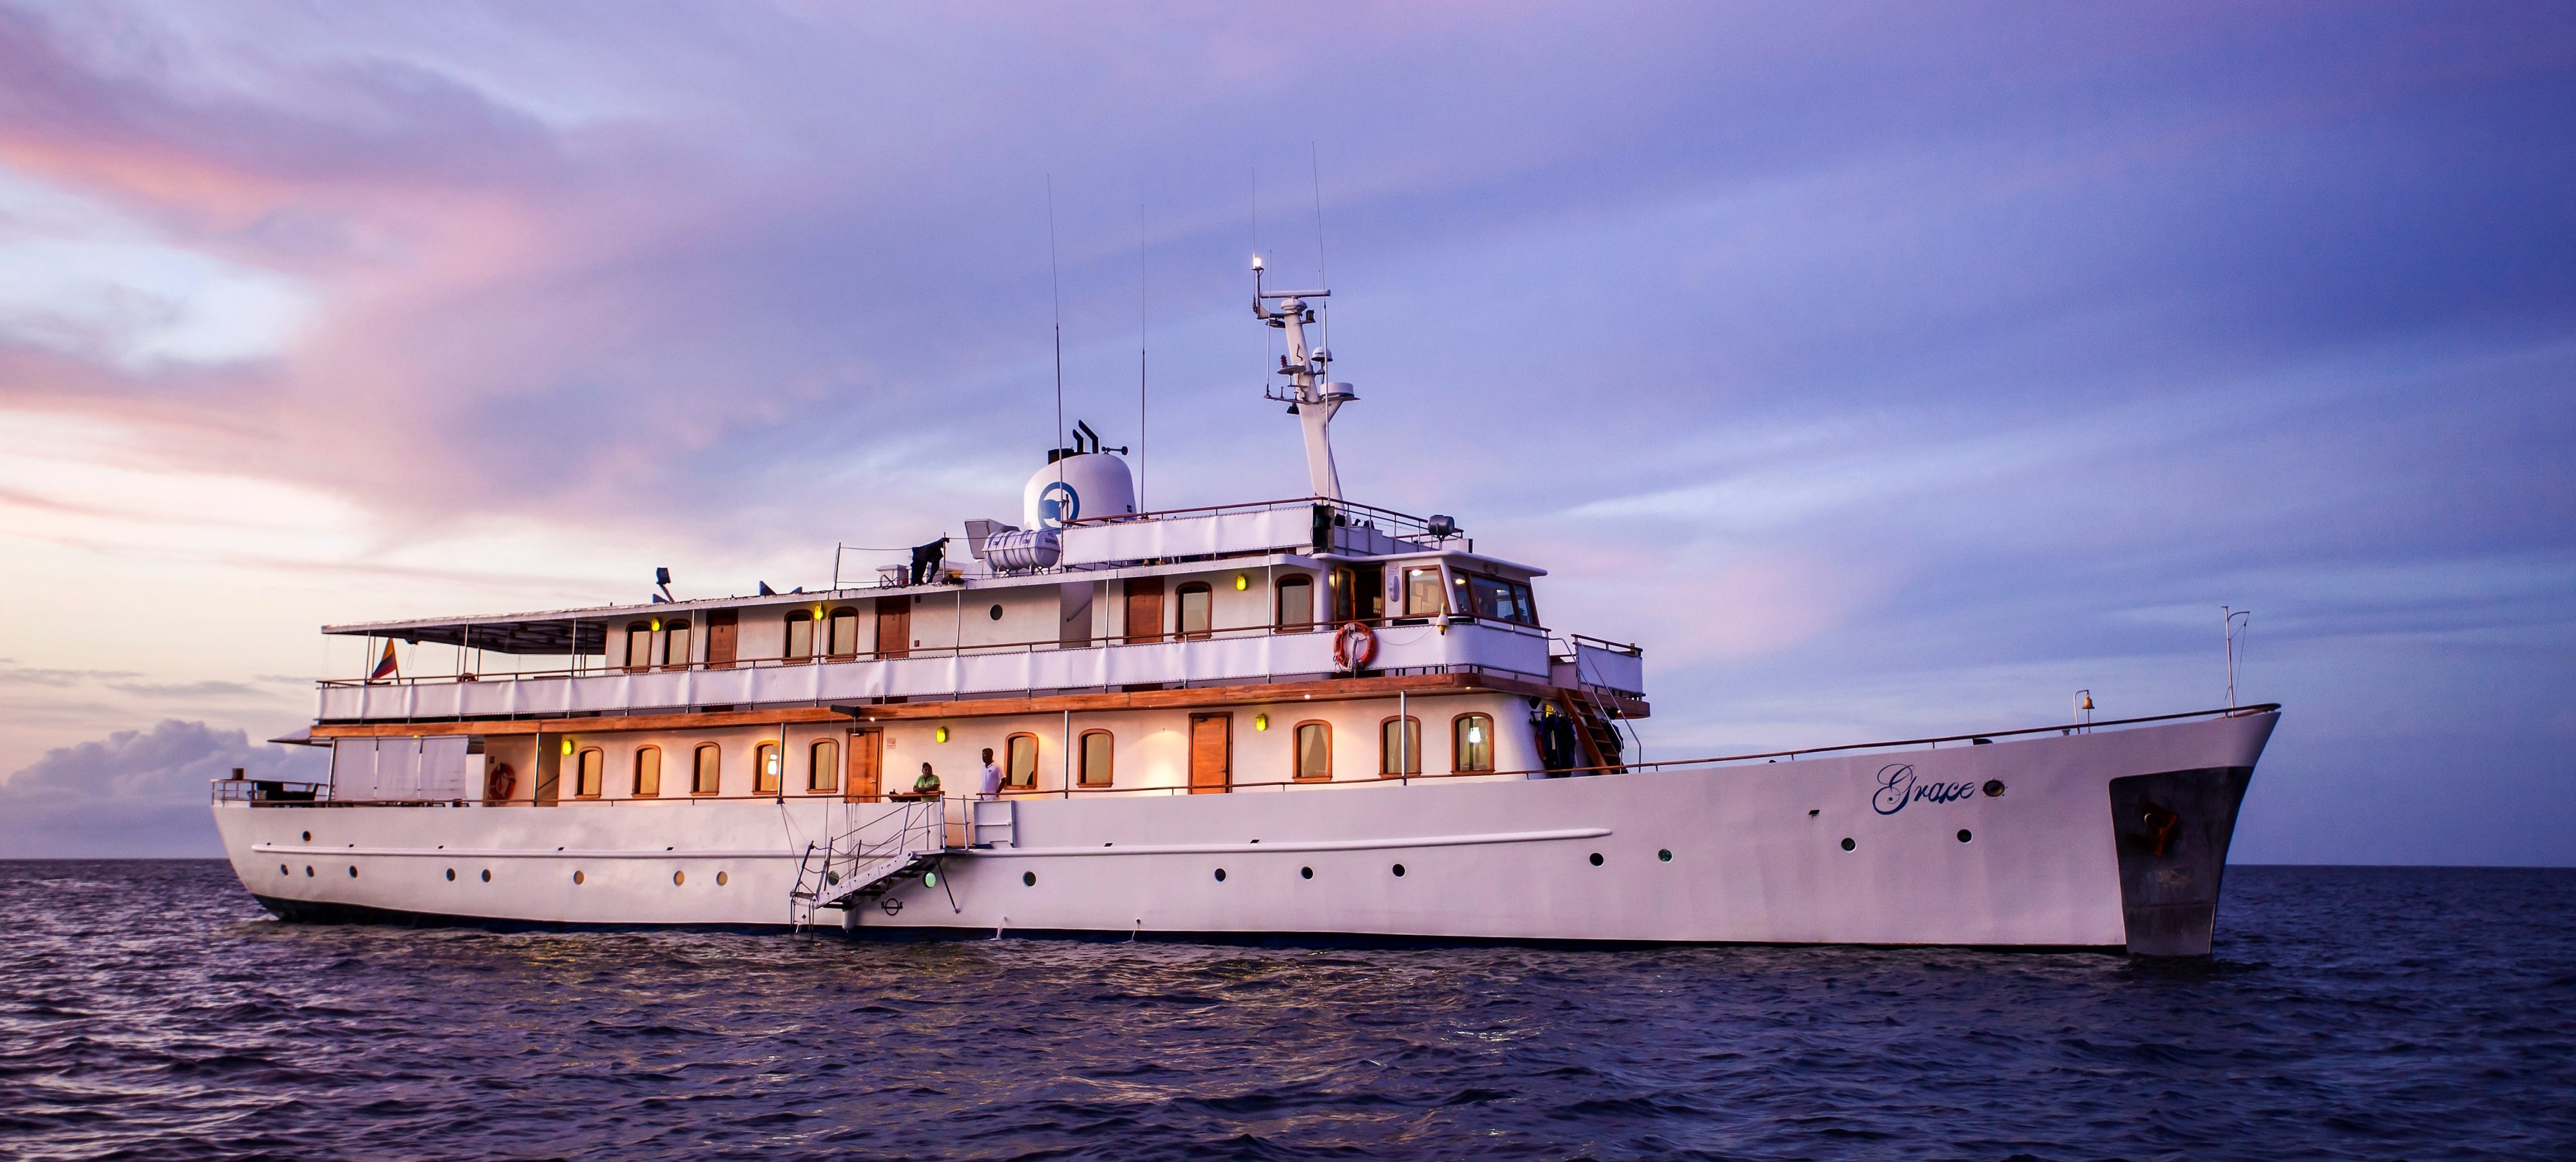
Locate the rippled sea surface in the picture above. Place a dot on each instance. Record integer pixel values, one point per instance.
(151, 1009)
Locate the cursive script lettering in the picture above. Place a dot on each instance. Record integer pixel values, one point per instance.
(1898, 787)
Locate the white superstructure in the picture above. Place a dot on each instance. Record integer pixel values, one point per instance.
(1297, 718)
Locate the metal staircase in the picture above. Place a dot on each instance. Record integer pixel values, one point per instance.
(868, 860)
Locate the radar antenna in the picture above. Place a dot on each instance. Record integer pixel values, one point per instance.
(1311, 395)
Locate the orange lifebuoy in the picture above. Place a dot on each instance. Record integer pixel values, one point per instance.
(1354, 646)
(499, 783)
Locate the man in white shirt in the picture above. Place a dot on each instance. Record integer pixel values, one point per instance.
(992, 788)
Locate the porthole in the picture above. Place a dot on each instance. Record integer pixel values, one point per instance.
(308, 871)
(1964, 836)
(577, 877)
(678, 878)
(281, 870)
(487, 875)
(1665, 855)
(353, 871)
(451, 875)
(308, 837)
(1029, 879)
(1220, 875)
(1305, 873)
(996, 613)
(1399, 869)
(1848, 844)
(723, 878)
(1596, 859)
(1994, 788)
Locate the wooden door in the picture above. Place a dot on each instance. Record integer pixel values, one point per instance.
(863, 781)
(1144, 609)
(894, 627)
(724, 637)
(549, 783)
(1211, 753)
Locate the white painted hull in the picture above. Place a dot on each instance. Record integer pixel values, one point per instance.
(1757, 854)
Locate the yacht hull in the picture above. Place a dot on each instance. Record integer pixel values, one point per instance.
(2110, 839)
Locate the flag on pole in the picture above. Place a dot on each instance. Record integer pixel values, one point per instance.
(385, 668)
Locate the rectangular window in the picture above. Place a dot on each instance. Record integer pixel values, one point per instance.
(1296, 603)
(648, 772)
(823, 774)
(1314, 750)
(764, 768)
(800, 636)
(1495, 599)
(1097, 755)
(674, 649)
(1020, 766)
(639, 646)
(1399, 747)
(589, 774)
(1197, 619)
(707, 775)
(845, 633)
(1471, 742)
(1423, 596)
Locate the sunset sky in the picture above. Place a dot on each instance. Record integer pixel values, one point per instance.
(1885, 371)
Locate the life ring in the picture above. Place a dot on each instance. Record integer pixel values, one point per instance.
(499, 783)
(1354, 646)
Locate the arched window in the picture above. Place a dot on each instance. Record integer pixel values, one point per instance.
(1296, 603)
(1020, 761)
(1471, 742)
(844, 641)
(648, 771)
(673, 650)
(1314, 750)
(1197, 616)
(1098, 753)
(823, 771)
(765, 769)
(590, 769)
(639, 646)
(800, 636)
(707, 775)
(1399, 747)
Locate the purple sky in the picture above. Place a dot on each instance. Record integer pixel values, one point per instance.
(1894, 372)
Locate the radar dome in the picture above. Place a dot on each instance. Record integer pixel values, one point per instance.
(1077, 487)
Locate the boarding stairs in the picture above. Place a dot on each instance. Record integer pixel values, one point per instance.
(1596, 728)
(900, 841)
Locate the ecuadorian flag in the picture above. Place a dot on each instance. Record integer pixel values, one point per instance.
(385, 667)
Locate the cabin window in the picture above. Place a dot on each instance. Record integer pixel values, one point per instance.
(1471, 742)
(1359, 593)
(1495, 599)
(673, 650)
(845, 633)
(639, 646)
(1314, 750)
(1196, 619)
(1399, 746)
(1020, 761)
(590, 769)
(707, 776)
(1097, 755)
(648, 771)
(800, 636)
(1296, 603)
(1422, 592)
(765, 769)
(823, 770)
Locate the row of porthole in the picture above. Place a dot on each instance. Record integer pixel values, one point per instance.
(1665, 855)
(1964, 836)
(677, 878)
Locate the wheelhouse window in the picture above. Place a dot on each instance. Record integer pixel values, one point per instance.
(800, 636)
(639, 646)
(1296, 603)
(844, 635)
(1098, 753)
(1399, 747)
(1314, 750)
(823, 767)
(1496, 599)
(590, 769)
(765, 769)
(1197, 616)
(1423, 595)
(672, 651)
(1020, 761)
(648, 771)
(707, 772)
(1471, 742)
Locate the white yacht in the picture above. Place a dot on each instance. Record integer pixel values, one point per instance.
(1299, 719)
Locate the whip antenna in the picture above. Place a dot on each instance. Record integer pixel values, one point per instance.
(1055, 285)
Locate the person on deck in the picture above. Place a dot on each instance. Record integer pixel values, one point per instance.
(927, 786)
(992, 788)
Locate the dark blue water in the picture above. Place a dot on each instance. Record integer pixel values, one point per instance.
(150, 1009)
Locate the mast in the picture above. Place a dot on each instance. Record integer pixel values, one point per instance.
(1310, 395)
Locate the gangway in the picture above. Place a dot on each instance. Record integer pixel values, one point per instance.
(905, 841)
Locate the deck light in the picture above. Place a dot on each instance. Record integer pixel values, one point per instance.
(942, 734)
(567, 746)
(1241, 583)
(1256, 262)
(657, 625)
(1260, 722)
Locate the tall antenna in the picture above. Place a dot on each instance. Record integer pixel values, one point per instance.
(1315, 168)
(1055, 284)
(1140, 358)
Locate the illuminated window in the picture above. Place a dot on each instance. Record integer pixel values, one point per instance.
(1399, 746)
(639, 646)
(1422, 592)
(648, 772)
(707, 776)
(845, 633)
(1020, 761)
(1471, 742)
(589, 771)
(823, 768)
(1314, 750)
(1296, 603)
(1097, 748)
(764, 769)
(1196, 618)
(800, 636)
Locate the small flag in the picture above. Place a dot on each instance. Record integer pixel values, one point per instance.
(386, 668)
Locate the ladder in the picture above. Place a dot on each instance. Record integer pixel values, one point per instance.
(868, 860)
(1595, 727)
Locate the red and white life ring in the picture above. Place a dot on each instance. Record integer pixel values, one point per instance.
(500, 782)
(1354, 646)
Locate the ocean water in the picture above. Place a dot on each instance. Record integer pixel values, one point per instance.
(151, 1009)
